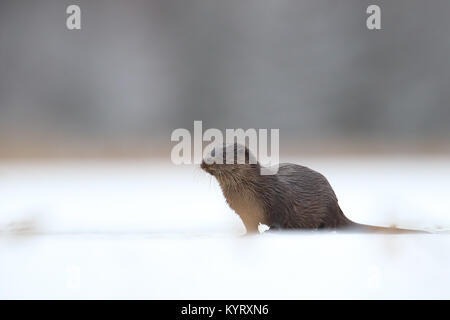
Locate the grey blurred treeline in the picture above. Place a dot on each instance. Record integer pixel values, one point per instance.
(139, 69)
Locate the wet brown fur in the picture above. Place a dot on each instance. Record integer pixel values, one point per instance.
(294, 198)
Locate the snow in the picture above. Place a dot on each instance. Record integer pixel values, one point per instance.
(152, 230)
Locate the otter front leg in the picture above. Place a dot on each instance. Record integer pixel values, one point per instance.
(251, 216)
(250, 226)
(249, 212)
(247, 208)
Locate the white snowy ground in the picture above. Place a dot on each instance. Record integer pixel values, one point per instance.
(154, 230)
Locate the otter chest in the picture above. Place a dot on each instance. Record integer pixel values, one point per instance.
(247, 207)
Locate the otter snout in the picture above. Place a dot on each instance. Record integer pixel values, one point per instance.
(208, 165)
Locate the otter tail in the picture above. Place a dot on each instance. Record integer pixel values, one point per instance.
(353, 226)
(387, 230)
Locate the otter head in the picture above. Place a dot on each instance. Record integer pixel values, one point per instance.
(231, 164)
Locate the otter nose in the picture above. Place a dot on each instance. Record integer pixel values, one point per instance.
(204, 165)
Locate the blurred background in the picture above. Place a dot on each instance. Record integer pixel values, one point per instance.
(86, 117)
(137, 70)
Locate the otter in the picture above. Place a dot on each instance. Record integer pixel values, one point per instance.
(296, 197)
